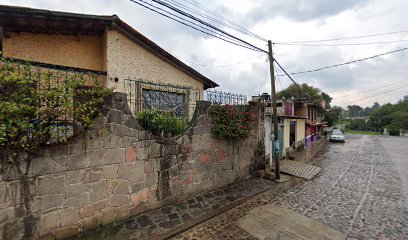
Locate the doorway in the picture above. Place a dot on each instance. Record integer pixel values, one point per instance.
(292, 134)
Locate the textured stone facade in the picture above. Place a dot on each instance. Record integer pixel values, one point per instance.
(116, 170)
(129, 60)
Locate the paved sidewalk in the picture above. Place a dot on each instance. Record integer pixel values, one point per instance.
(274, 223)
(170, 220)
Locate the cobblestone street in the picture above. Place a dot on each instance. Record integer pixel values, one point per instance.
(358, 192)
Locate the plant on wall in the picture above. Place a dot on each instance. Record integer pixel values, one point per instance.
(40, 107)
(161, 123)
(231, 122)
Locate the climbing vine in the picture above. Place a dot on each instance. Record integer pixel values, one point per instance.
(42, 106)
(232, 122)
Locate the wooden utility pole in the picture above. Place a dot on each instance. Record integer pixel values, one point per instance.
(274, 113)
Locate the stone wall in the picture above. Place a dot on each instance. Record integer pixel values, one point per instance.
(116, 170)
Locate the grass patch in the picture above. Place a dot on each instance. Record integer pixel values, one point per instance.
(361, 132)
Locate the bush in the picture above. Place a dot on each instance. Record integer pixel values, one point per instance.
(394, 132)
(33, 104)
(233, 122)
(161, 122)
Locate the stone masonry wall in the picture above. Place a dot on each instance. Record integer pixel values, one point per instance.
(116, 170)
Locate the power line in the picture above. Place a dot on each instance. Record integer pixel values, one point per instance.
(186, 24)
(210, 32)
(345, 38)
(403, 93)
(175, 9)
(290, 77)
(341, 44)
(216, 19)
(280, 83)
(384, 97)
(221, 66)
(371, 89)
(198, 5)
(346, 63)
(377, 94)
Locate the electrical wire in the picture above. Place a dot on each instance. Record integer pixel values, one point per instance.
(403, 93)
(287, 74)
(198, 5)
(377, 94)
(197, 25)
(371, 89)
(277, 76)
(181, 22)
(217, 20)
(346, 63)
(175, 9)
(345, 38)
(221, 66)
(379, 99)
(341, 44)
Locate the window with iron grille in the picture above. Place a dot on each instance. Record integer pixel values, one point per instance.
(172, 102)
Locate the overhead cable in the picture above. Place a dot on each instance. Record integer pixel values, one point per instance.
(377, 98)
(198, 5)
(216, 19)
(346, 63)
(189, 25)
(290, 77)
(345, 38)
(175, 9)
(221, 66)
(341, 44)
(377, 94)
(372, 89)
(186, 20)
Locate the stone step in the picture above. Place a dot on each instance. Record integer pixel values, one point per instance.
(298, 169)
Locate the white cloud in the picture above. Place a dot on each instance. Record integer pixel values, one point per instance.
(283, 20)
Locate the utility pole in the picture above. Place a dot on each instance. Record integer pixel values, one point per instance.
(274, 112)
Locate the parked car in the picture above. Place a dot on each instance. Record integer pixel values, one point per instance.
(337, 136)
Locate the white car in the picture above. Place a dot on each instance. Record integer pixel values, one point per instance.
(337, 136)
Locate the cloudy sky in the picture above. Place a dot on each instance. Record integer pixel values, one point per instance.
(383, 79)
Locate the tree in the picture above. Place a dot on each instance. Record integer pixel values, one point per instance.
(355, 110)
(393, 116)
(333, 115)
(327, 99)
(375, 106)
(309, 93)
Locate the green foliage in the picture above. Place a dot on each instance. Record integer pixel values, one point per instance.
(357, 111)
(362, 132)
(326, 97)
(231, 122)
(357, 124)
(391, 116)
(161, 122)
(307, 92)
(34, 102)
(333, 115)
(394, 131)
